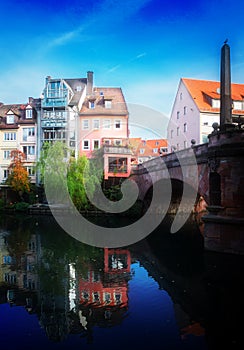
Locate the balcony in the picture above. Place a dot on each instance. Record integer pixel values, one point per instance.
(117, 150)
(54, 102)
(53, 123)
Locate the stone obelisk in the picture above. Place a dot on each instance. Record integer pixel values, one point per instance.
(225, 89)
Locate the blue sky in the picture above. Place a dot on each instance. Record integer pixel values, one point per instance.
(142, 46)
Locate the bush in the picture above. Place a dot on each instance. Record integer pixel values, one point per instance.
(21, 206)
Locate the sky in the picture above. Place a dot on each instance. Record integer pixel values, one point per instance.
(143, 46)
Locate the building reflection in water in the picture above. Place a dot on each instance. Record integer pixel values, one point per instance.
(73, 288)
(68, 297)
(102, 293)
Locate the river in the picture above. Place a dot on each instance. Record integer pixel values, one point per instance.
(164, 292)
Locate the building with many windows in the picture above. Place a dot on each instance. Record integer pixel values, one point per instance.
(144, 150)
(60, 103)
(103, 119)
(18, 130)
(196, 108)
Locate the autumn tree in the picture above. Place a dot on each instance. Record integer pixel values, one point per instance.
(18, 176)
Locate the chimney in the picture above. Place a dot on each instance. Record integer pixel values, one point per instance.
(89, 87)
(48, 78)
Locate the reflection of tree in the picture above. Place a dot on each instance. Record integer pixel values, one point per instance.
(20, 229)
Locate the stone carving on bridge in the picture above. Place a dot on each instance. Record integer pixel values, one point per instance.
(213, 164)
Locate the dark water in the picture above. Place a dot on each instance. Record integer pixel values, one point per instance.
(164, 292)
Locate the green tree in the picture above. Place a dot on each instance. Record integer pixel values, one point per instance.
(81, 178)
(53, 171)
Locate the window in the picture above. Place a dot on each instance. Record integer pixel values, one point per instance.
(30, 170)
(106, 297)
(171, 133)
(143, 143)
(78, 88)
(216, 103)
(96, 144)
(96, 123)
(181, 96)
(204, 138)
(118, 142)
(163, 149)
(178, 130)
(178, 115)
(29, 150)
(85, 124)
(91, 104)
(106, 142)
(7, 154)
(7, 259)
(185, 110)
(155, 150)
(185, 144)
(108, 103)
(237, 105)
(28, 132)
(106, 123)
(142, 150)
(10, 136)
(10, 119)
(156, 143)
(185, 127)
(28, 113)
(96, 297)
(205, 123)
(117, 124)
(5, 173)
(86, 145)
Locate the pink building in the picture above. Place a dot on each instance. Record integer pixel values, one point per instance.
(103, 121)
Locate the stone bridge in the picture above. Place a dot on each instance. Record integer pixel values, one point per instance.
(209, 176)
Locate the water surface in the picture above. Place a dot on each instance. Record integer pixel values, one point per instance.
(164, 292)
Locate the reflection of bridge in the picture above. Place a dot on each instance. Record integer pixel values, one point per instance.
(215, 170)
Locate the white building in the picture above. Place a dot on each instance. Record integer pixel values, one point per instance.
(196, 108)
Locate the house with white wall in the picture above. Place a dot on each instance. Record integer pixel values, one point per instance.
(18, 130)
(196, 108)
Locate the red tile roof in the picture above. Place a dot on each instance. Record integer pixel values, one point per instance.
(148, 146)
(201, 89)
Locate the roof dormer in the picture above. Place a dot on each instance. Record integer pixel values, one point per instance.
(10, 117)
(28, 112)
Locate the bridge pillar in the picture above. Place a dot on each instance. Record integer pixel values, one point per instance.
(224, 223)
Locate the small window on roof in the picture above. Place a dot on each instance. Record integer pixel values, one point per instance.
(10, 119)
(91, 104)
(78, 88)
(108, 103)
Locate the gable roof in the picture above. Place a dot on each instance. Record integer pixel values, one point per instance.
(202, 91)
(19, 111)
(99, 95)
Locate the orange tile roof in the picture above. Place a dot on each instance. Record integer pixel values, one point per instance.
(148, 146)
(201, 89)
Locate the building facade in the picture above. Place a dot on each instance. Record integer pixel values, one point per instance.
(196, 108)
(144, 150)
(18, 130)
(60, 103)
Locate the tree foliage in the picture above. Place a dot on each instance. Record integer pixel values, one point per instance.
(18, 177)
(81, 175)
(81, 180)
